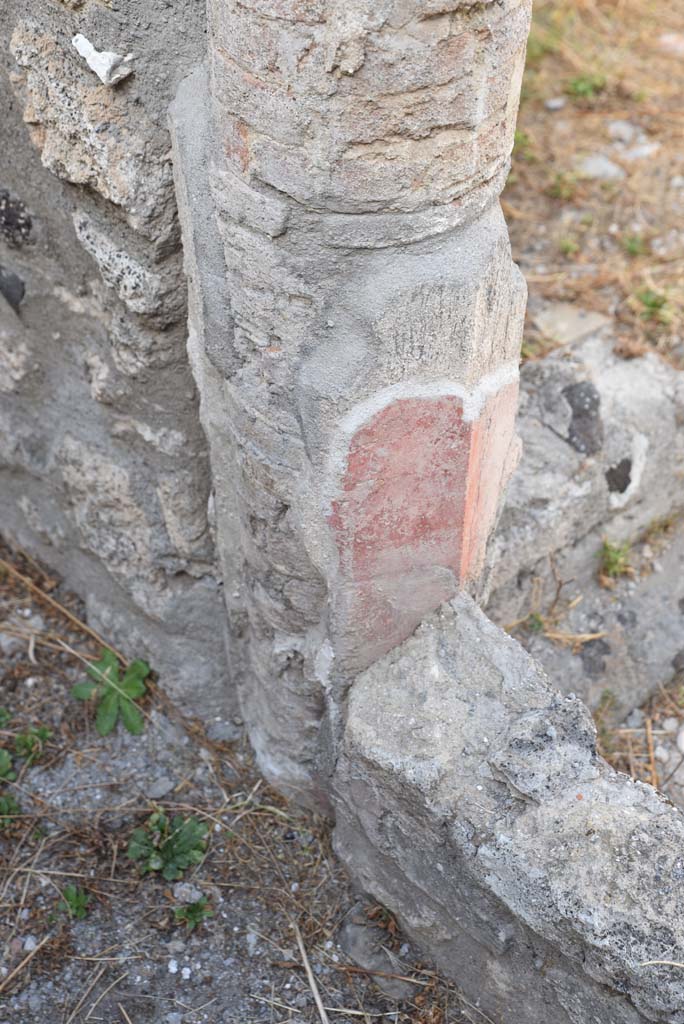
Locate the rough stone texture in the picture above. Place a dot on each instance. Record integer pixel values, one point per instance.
(639, 626)
(356, 153)
(103, 464)
(603, 449)
(471, 802)
(606, 460)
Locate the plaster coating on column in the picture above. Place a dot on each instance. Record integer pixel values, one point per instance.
(367, 371)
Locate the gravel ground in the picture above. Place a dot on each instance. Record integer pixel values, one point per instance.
(277, 898)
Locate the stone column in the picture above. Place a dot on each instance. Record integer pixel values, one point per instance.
(365, 374)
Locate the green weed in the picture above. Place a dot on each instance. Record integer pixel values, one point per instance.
(569, 246)
(31, 744)
(9, 809)
(75, 902)
(614, 560)
(168, 846)
(635, 245)
(523, 147)
(586, 87)
(5, 718)
(115, 696)
(655, 305)
(6, 772)
(193, 914)
(563, 186)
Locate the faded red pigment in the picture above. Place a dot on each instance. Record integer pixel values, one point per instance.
(419, 498)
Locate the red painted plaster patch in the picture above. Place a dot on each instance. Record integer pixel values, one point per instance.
(417, 502)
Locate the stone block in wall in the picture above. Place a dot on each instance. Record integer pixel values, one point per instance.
(603, 457)
(87, 135)
(471, 802)
(103, 465)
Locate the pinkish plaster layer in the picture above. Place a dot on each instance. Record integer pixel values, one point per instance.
(418, 500)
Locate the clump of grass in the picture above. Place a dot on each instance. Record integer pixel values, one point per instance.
(523, 147)
(614, 562)
(534, 622)
(31, 744)
(75, 902)
(655, 306)
(569, 246)
(9, 809)
(193, 914)
(604, 735)
(586, 87)
(563, 186)
(635, 245)
(7, 774)
(536, 348)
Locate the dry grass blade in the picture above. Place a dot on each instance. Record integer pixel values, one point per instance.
(97, 975)
(24, 963)
(104, 993)
(75, 621)
(310, 977)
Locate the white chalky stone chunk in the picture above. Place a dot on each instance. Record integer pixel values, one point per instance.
(109, 67)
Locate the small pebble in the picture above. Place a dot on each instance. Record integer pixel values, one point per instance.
(30, 943)
(680, 740)
(184, 892)
(159, 788)
(670, 724)
(635, 719)
(622, 131)
(598, 167)
(173, 966)
(555, 103)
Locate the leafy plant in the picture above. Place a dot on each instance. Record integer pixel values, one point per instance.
(193, 914)
(586, 87)
(535, 622)
(523, 146)
(5, 717)
(569, 246)
(614, 562)
(563, 186)
(75, 902)
(30, 744)
(6, 773)
(655, 305)
(115, 696)
(169, 846)
(536, 348)
(9, 809)
(635, 245)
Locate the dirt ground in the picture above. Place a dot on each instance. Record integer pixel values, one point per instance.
(595, 204)
(595, 199)
(276, 897)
